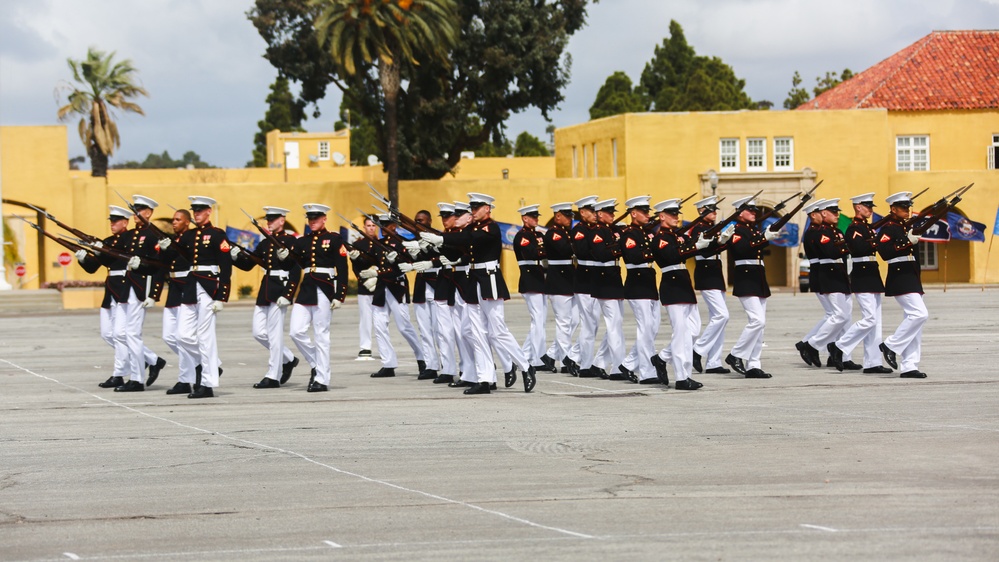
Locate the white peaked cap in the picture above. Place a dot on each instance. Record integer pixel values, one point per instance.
(143, 200)
(900, 197)
(115, 212)
(276, 211)
(446, 207)
(814, 206)
(667, 204)
(481, 198)
(605, 204)
(711, 200)
(744, 202)
(316, 208)
(863, 198)
(587, 201)
(640, 201)
(559, 207)
(462, 206)
(201, 200)
(528, 209)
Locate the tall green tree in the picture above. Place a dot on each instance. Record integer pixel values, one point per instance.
(797, 95)
(284, 112)
(677, 79)
(617, 96)
(529, 145)
(388, 35)
(831, 80)
(105, 84)
(510, 57)
(165, 162)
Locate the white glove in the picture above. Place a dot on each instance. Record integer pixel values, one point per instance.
(282, 253)
(234, 252)
(215, 307)
(405, 267)
(282, 302)
(771, 234)
(81, 255)
(164, 243)
(148, 303)
(353, 254)
(335, 304)
(134, 262)
(422, 265)
(369, 273)
(425, 246)
(447, 263)
(411, 244)
(391, 256)
(701, 242)
(913, 238)
(370, 284)
(98, 244)
(431, 238)
(726, 234)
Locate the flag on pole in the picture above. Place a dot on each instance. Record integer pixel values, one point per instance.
(995, 229)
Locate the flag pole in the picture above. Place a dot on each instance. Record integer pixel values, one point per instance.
(945, 245)
(988, 254)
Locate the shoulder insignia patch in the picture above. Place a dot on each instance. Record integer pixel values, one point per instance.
(630, 243)
(343, 250)
(597, 239)
(857, 233)
(224, 246)
(579, 236)
(736, 238)
(662, 243)
(556, 236)
(825, 239)
(525, 242)
(885, 238)
(485, 228)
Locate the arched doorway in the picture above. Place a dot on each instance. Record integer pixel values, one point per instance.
(946, 262)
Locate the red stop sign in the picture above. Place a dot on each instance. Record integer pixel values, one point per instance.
(20, 270)
(65, 259)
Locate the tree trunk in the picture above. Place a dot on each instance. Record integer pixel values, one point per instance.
(388, 74)
(98, 161)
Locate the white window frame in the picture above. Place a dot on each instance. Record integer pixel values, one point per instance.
(614, 156)
(907, 153)
(575, 162)
(586, 163)
(756, 150)
(928, 256)
(779, 153)
(593, 150)
(724, 156)
(324, 150)
(993, 152)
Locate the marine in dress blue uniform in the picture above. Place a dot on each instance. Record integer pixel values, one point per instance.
(709, 279)
(529, 248)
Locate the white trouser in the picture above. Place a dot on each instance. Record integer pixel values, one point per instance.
(535, 344)
(462, 337)
(566, 321)
(268, 330)
(907, 341)
(835, 324)
(499, 334)
(426, 321)
(827, 313)
(712, 340)
(196, 325)
(680, 350)
(446, 340)
(867, 330)
(171, 336)
(400, 312)
(127, 319)
(589, 314)
(317, 349)
(107, 334)
(610, 354)
(749, 348)
(473, 328)
(647, 317)
(364, 324)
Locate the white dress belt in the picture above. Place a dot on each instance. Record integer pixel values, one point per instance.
(325, 270)
(559, 262)
(528, 262)
(592, 263)
(901, 259)
(492, 264)
(674, 267)
(863, 258)
(116, 273)
(432, 270)
(280, 273)
(827, 261)
(463, 268)
(814, 261)
(708, 258)
(748, 262)
(209, 268)
(179, 274)
(645, 265)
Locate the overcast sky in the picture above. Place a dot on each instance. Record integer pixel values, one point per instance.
(201, 60)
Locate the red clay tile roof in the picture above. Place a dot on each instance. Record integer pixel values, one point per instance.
(944, 70)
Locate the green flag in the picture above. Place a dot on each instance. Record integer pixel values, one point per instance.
(844, 223)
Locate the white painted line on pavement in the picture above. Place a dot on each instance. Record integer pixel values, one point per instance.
(820, 528)
(333, 544)
(70, 555)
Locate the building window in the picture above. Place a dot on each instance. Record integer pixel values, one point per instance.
(324, 150)
(783, 154)
(912, 154)
(593, 148)
(614, 155)
(928, 255)
(994, 152)
(756, 155)
(575, 163)
(585, 163)
(729, 150)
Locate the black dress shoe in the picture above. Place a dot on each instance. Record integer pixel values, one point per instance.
(800, 346)
(312, 377)
(154, 370)
(623, 374)
(267, 383)
(316, 387)
(913, 374)
(112, 382)
(492, 386)
(383, 372)
(130, 386)
(530, 379)
(443, 379)
(427, 374)
(180, 388)
(590, 373)
(364, 354)
(421, 365)
(510, 377)
(836, 356)
(719, 371)
(600, 372)
(851, 366)
(478, 388)
(287, 368)
(889, 356)
(736, 363)
(571, 366)
(697, 363)
(653, 380)
(203, 392)
(757, 373)
(879, 370)
(548, 363)
(459, 384)
(812, 354)
(689, 384)
(661, 370)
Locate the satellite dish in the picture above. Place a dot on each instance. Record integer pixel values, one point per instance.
(372, 160)
(339, 159)
(313, 158)
(468, 154)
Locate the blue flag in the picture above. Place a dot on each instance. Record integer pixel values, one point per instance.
(995, 229)
(788, 234)
(244, 238)
(962, 228)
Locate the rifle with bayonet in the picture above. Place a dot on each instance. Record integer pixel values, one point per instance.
(385, 247)
(64, 243)
(775, 227)
(923, 222)
(719, 225)
(76, 232)
(626, 212)
(686, 229)
(116, 253)
(270, 236)
(141, 219)
(880, 222)
(405, 221)
(393, 235)
(777, 208)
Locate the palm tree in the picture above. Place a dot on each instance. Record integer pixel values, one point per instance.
(105, 83)
(396, 32)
